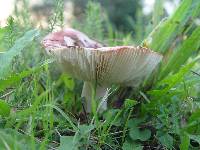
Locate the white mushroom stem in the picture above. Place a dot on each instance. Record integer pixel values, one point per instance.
(101, 95)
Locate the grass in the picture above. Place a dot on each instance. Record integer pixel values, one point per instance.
(41, 107)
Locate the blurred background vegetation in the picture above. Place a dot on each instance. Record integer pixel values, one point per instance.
(125, 16)
(40, 107)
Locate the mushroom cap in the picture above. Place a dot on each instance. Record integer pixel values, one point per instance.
(69, 37)
(125, 65)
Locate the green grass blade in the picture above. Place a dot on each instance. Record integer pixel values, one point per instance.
(16, 78)
(182, 54)
(158, 12)
(167, 32)
(172, 80)
(64, 115)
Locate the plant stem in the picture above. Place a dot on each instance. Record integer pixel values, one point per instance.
(93, 92)
(126, 125)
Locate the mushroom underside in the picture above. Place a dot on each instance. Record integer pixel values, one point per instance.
(127, 66)
(88, 60)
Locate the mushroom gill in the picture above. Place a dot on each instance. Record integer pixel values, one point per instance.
(88, 60)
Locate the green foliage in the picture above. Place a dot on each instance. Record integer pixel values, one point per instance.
(138, 26)
(45, 104)
(22, 15)
(79, 140)
(184, 52)
(92, 24)
(20, 44)
(136, 133)
(142, 135)
(69, 82)
(165, 139)
(185, 142)
(131, 145)
(16, 78)
(2, 33)
(67, 142)
(4, 109)
(9, 34)
(130, 103)
(195, 138)
(168, 37)
(157, 13)
(57, 18)
(10, 139)
(164, 36)
(63, 114)
(170, 81)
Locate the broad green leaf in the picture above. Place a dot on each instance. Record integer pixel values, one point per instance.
(166, 140)
(137, 134)
(195, 138)
(4, 109)
(134, 122)
(20, 44)
(181, 55)
(185, 142)
(131, 146)
(85, 129)
(74, 142)
(67, 142)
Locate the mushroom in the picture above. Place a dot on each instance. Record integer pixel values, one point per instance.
(99, 66)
